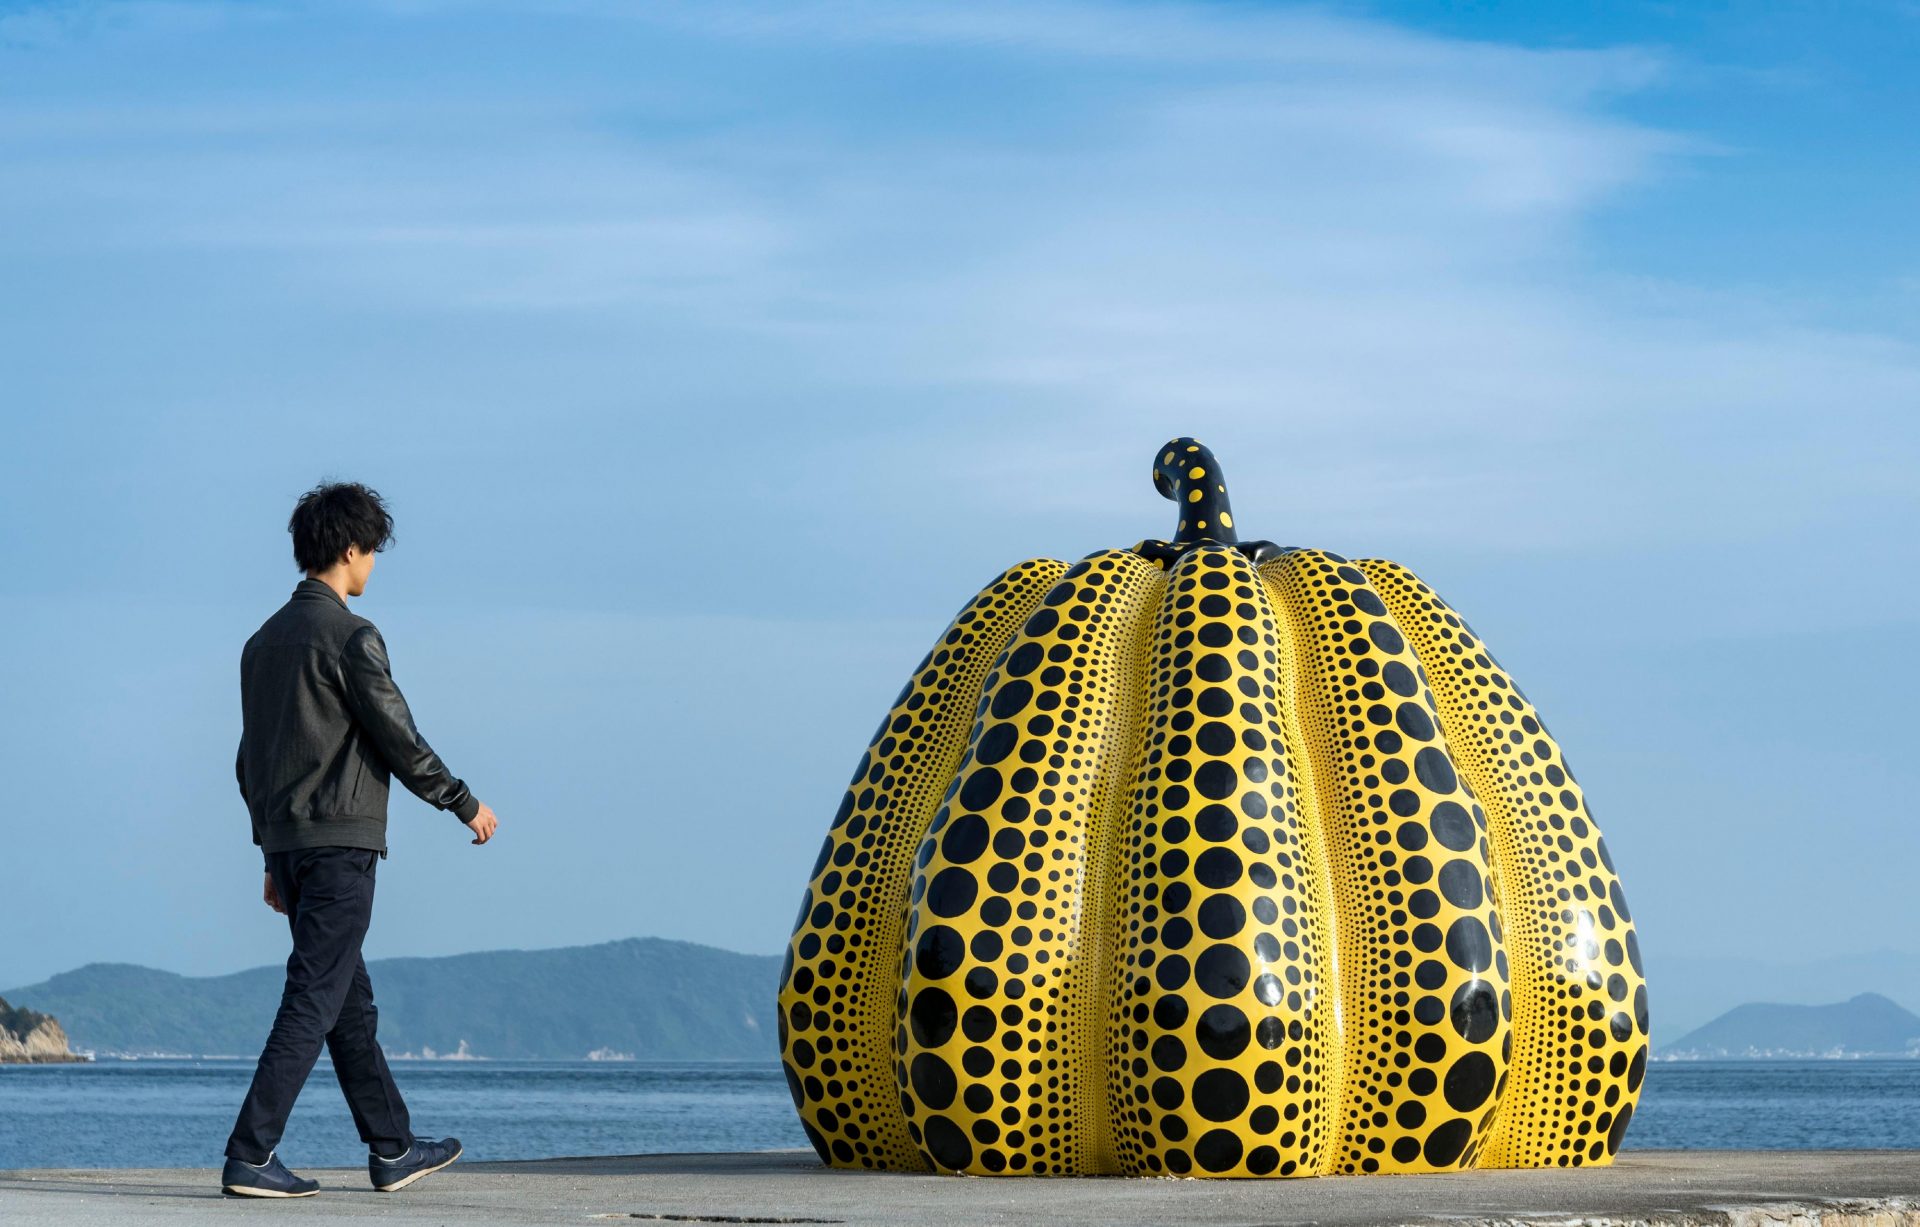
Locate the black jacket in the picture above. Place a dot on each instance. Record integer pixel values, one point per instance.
(324, 726)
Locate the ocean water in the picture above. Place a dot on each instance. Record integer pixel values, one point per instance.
(176, 1113)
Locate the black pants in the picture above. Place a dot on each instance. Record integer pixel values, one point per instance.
(328, 894)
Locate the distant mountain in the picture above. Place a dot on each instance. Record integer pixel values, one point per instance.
(1690, 990)
(1866, 1025)
(644, 997)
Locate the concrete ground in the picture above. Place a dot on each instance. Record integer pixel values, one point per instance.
(1735, 1188)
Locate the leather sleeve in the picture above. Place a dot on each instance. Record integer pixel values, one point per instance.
(240, 774)
(380, 708)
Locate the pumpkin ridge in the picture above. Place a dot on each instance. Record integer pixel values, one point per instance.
(837, 1005)
(994, 993)
(1575, 1076)
(1222, 994)
(1312, 818)
(1418, 965)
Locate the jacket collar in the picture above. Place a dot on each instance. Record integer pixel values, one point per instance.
(314, 587)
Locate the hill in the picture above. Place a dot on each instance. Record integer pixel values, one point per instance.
(27, 1036)
(646, 997)
(1865, 1025)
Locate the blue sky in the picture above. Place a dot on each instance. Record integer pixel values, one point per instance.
(711, 356)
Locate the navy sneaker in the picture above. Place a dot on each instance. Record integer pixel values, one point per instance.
(270, 1179)
(423, 1158)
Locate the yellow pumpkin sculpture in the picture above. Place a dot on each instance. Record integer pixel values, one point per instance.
(1212, 858)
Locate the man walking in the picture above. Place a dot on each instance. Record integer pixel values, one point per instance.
(324, 727)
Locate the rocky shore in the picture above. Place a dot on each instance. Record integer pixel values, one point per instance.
(27, 1037)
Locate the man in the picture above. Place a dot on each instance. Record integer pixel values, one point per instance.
(323, 728)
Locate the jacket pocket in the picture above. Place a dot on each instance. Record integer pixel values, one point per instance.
(351, 802)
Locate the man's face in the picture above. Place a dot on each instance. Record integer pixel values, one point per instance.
(359, 568)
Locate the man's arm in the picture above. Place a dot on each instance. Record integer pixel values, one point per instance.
(240, 774)
(377, 704)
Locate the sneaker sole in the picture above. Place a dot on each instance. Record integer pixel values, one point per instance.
(241, 1190)
(425, 1171)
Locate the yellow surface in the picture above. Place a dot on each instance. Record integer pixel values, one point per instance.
(1217, 870)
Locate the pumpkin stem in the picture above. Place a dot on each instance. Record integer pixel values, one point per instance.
(1186, 472)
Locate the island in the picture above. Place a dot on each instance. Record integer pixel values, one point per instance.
(29, 1037)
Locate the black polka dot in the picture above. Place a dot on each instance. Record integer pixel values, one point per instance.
(1619, 1129)
(981, 982)
(1468, 944)
(996, 743)
(1170, 1013)
(1221, 971)
(1024, 660)
(1223, 1032)
(934, 1017)
(1045, 619)
(933, 1081)
(1215, 780)
(1453, 826)
(1169, 1053)
(939, 953)
(1446, 1142)
(1217, 868)
(947, 1143)
(1220, 1094)
(1215, 823)
(1412, 719)
(953, 892)
(978, 1024)
(981, 789)
(1215, 738)
(1460, 883)
(1221, 916)
(1400, 679)
(965, 840)
(1469, 1081)
(1433, 770)
(1475, 1011)
(1217, 1150)
(1168, 1093)
(1271, 1033)
(1385, 637)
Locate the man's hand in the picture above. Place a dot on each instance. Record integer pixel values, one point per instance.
(484, 824)
(272, 897)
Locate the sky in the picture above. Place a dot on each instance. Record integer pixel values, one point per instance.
(712, 356)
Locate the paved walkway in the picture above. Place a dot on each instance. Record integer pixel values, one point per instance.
(1734, 1188)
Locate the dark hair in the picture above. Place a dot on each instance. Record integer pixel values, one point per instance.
(334, 515)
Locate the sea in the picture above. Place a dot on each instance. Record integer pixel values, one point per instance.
(176, 1113)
